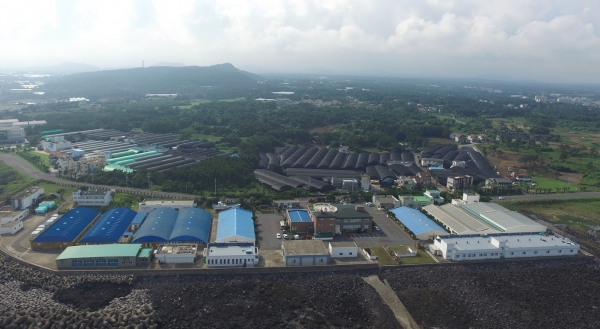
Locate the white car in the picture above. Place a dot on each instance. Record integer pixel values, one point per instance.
(377, 228)
(285, 236)
(296, 237)
(501, 198)
(278, 235)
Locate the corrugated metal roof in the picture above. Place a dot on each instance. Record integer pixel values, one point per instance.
(299, 215)
(234, 223)
(158, 226)
(69, 226)
(110, 226)
(100, 251)
(139, 218)
(192, 225)
(417, 222)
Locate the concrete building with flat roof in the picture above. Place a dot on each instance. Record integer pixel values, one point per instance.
(231, 254)
(414, 201)
(304, 253)
(385, 201)
(149, 205)
(104, 256)
(496, 246)
(67, 230)
(13, 215)
(347, 249)
(27, 198)
(11, 227)
(176, 253)
(457, 221)
(92, 198)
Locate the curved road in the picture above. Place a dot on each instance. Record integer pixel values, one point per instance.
(23, 166)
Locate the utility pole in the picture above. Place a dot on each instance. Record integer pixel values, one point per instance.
(149, 182)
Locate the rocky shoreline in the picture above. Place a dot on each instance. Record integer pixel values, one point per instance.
(553, 293)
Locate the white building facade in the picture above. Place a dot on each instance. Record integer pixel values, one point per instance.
(92, 198)
(480, 247)
(27, 198)
(231, 255)
(343, 249)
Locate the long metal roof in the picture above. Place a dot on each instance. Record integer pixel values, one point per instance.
(192, 225)
(235, 225)
(158, 226)
(68, 227)
(417, 222)
(100, 251)
(110, 227)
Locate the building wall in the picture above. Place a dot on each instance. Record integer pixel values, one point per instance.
(175, 258)
(100, 262)
(92, 200)
(301, 227)
(324, 225)
(306, 260)
(11, 229)
(343, 252)
(26, 202)
(20, 216)
(232, 261)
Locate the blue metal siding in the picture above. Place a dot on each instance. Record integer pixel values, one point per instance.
(415, 221)
(110, 226)
(192, 225)
(235, 222)
(299, 216)
(157, 227)
(68, 227)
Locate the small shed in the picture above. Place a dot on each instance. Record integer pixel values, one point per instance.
(343, 249)
(304, 253)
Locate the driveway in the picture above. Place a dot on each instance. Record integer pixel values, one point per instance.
(268, 227)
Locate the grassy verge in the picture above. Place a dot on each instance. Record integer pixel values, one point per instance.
(578, 214)
(553, 184)
(12, 180)
(382, 256)
(422, 257)
(41, 162)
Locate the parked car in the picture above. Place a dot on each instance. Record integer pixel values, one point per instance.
(377, 228)
(285, 236)
(278, 235)
(501, 198)
(296, 237)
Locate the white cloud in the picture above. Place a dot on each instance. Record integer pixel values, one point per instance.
(529, 39)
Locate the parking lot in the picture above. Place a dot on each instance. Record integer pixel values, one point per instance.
(268, 227)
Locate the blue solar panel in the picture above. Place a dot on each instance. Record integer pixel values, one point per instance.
(192, 225)
(69, 226)
(235, 223)
(110, 226)
(299, 216)
(415, 220)
(157, 227)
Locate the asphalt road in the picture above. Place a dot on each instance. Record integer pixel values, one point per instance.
(268, 227)
(548, 196)
(24, 167)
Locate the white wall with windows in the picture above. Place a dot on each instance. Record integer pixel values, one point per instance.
(343, 249)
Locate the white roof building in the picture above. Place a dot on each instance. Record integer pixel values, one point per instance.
(496, 246)
(230, 254)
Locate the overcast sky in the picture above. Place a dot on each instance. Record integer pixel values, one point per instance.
(546, 40)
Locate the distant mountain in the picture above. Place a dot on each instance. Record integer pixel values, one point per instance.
(153, 80)
(66, 68)
(172, 64)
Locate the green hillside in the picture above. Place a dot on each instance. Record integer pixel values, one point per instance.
(154, 80)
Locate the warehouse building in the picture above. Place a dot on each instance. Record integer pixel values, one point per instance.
(502, 219)
(300, 221)
(92, 198)
(191, 226)
(235, 225)
(110, 227)
(157, 227)
(231, 254)
(304, 253)
(167, 225)
(27, 198)
(103, 256)
(457, 221)
(12, 215)
(416, 222)
(11, 227)
(496, 246)
(385, 201)
(67, 230)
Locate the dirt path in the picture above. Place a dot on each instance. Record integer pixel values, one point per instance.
(391, 299)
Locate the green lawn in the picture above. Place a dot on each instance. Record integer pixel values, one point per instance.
(43, 159)
(11, 179)
(382, 256)
(552, 183)
(422, 256)
(577, 214)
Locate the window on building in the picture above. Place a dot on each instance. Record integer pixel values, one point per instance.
(341, 253)
(547, 251)
(293, 261)
(560, 251)
(350, 253)
(512, 253)
(321, 260)
(524, 252)
(457, 256)
(569, 250)
(535, 252)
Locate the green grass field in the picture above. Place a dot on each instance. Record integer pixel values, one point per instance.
(577, 214)
(382, 256)
(11, 179)
(43, 157)
(553, 184)
(421, 258)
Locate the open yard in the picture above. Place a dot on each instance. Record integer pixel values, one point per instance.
(421, 258)
(382, 256)
(554, 184)
(581, 215)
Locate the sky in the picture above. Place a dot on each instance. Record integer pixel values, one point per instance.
(544, 40)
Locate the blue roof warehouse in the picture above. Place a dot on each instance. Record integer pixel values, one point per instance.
(167, 225)
(110, 227)
(67, 230)
(420, 225)
(235, 225)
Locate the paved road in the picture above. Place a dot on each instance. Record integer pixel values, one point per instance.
(268, 227)
(548, 196)
(24, 167)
